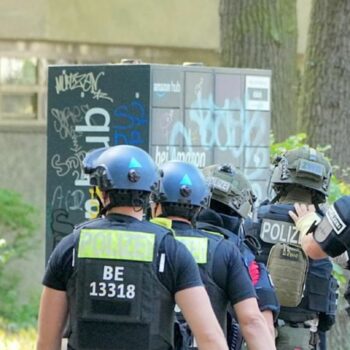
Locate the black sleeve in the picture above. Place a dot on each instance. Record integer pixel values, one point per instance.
(59, 267)
(180, 270)
(231, 274)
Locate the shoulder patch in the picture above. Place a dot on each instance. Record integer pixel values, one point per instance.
(335, 220)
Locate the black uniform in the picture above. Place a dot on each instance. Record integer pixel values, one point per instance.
(120, 276)
(319, 298)
(230, 228)
(224, 273)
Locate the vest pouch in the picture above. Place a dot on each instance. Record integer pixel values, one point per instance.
(288, 266)
(318, 288)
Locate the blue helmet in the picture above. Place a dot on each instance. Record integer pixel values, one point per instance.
(183, 184)
(121, 167)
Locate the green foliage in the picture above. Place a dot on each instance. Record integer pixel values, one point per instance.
(17, 220)
(339, 274)
(17, 227)
(294, 141)
(339, 187)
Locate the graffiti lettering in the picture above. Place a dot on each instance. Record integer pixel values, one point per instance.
(240, 136)
(72, 200)
(132, 119)
(64, 121)
(86, 82)
(60, 225)
(72, 164)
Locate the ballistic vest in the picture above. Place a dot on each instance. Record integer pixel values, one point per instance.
(116, 299)
(227, 234)
(249, 247)
(266, 296)
(202, 248)
(276, 226)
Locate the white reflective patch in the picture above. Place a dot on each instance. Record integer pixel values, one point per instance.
(177, 309)
(335, 220)
(271, 281)
(73, 258)
(162, 262)
(194, 343)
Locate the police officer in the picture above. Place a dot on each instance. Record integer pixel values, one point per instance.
(118, 276)
(305, 287)
(183, 191)
(232, 202)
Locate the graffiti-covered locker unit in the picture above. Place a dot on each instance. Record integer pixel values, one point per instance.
(202, 115)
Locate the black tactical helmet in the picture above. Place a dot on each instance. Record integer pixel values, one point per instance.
(121, 167)
(182, 184)
(230, 187)
(305, 167)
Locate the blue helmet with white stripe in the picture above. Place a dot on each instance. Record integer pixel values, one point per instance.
(182, 184)
(121, 167)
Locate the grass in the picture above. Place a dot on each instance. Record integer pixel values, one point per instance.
(22, 340)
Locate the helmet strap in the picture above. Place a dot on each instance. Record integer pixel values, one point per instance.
(101, 210)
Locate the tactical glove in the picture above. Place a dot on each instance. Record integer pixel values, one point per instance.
(305, 219)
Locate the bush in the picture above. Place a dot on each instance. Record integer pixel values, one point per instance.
(17, 227)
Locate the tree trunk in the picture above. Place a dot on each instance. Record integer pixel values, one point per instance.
(263, 34)
(325, 105)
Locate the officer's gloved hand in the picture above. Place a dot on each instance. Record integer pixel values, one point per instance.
(305, 218)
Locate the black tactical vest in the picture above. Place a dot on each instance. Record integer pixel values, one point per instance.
(217, 296)
(275, 225)
(116, 299)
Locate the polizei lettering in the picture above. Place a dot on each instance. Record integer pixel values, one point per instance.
(273, 231)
